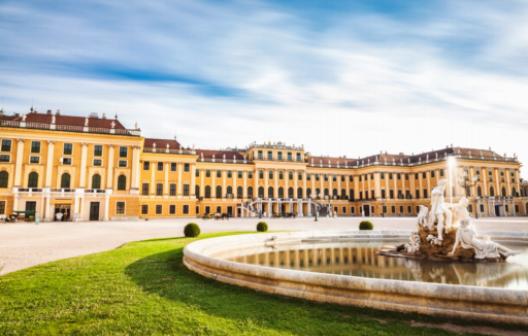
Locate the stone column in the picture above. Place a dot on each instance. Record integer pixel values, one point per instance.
(179, 186)
(152, 180)
(213, 185)
(508, 182)
(295, 184)
(106, 215)
(429, 183)
(18, 164)
(321, 185)
(276, 184)
(420, 179)
(356, 187)
(166, 178)
(266, 182)
(235, 184)
(305, 185)
(484, 176)
(473, 186)
(413, 185)
(377, 185)
(347, 186)
(255, 183)
(224, 183)
(193, 180)
(286, 183)
(339, 186)
(245, 186)
(135, 169)
(202, 183)
(497, 182)
(110, 168)
(49, 164)
(395, 180)
(84, 158)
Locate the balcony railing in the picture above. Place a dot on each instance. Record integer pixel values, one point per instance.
(68, 128)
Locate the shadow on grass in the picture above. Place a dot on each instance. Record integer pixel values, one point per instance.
(165, 275)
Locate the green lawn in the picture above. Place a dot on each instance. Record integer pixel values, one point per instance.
(143, 288)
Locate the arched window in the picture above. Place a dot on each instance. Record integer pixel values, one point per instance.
(317, 193)
(96, 181)
(351, 192)
(197, 191)
(290, 193)
(343, 193)
(4, 178)
(240, 192)
(492, 191)
(281, 192)
(207, 192)
(309, 192)
(503, 192)
(218, 192)
(334, 193)
(270, 192)
(326, 192)
(261, 192)
(479, 191)
(250, 192)
(514, 192)
(299, 193)
(33, 180)
(65, 181)
(229, 190)
(121, 182)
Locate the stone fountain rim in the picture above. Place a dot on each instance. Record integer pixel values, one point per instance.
(199, 252)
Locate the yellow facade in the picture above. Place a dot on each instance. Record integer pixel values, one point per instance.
(106, 173)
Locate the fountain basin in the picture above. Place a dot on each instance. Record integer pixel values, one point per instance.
(215, 258)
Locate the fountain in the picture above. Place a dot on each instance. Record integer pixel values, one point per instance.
(444, 269)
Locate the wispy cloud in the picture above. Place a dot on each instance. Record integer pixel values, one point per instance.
(341, 77)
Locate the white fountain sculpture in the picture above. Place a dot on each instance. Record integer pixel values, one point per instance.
(446, 231)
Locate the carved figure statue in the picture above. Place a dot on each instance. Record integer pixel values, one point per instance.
(422, 215)
(484, 248)
(440, 211)
(413, 245)
(460, 212)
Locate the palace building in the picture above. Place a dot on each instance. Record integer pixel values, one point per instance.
(63, 167)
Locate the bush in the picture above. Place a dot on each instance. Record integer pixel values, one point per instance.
(191, 230)
(262, 227)
(366, 225)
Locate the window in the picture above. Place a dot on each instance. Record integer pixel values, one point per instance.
(433, 173)
(98, 150)
(261, 174)
(207, 192)
(65, 181)
(173, 166)
(250, 175)
(121, 182)
(218, 173)
(239, 174)
(97, 162)
(67, 149)
(35, 146)
(298, 156)
(146, 165)
(279, 155)
(250, 192)
(159, 209)
(34, 159)
(2, 207)
(160, 166)
(6, 146)
(4, 158)
(66, 161)
(218, 192)
(96, 181)
(229, 174)
(197, 173)
(207, 173)
(123, 152)
(159, 189)
(290, 157)
(425, 193)
(270, 175)
(120, 208)
(33, 180)
(260, 156)
(185, 209)
(172, 209)
(145, 189)
(144, 209)
(186, 167)
(172, 189)
(240, 192)
(122, 163)
(4, 178)
(281, 175)
(270, 155)
(186, 190)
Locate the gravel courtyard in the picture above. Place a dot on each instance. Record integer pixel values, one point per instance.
(24, 245)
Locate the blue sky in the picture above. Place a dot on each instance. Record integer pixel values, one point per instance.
(343, 78)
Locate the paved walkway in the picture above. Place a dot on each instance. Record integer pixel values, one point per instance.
(23, 245)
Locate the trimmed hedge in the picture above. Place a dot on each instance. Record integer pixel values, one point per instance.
(191, 230)
(366, 225)
(262, 227)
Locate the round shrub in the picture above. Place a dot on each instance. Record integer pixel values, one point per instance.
(191, 230)
(262, 227)
(366, 225)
